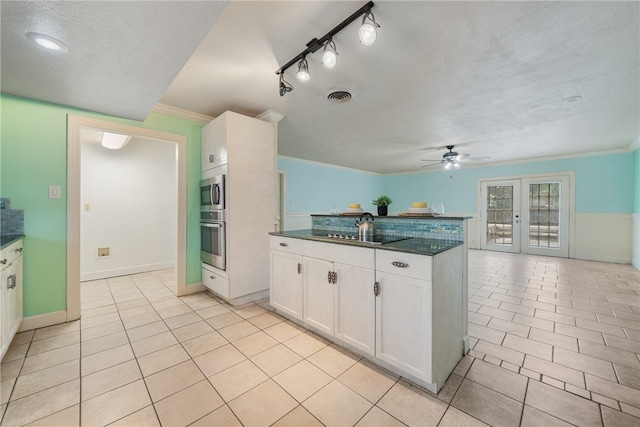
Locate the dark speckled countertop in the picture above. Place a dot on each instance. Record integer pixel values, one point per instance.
(9, 239)
(415, 245)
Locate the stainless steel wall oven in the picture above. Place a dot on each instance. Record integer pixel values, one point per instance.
(213, 239)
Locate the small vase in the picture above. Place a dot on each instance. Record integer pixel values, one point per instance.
(383, 210)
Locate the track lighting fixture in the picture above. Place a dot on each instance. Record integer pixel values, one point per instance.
(367, 34)
(303, 71)
(329, 55)
(284, 86)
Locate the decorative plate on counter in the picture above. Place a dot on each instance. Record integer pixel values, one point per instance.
(419, 210)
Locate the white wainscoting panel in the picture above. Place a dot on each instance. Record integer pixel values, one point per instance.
(635, 249)
(604, 237)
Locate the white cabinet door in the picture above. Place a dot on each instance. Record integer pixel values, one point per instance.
(403, 324)
(317, 307)
(4, 330)
(354, 307)
(286, 283)
(214, 143)
(14, 297)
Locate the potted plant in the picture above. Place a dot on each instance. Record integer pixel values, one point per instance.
(382, 203)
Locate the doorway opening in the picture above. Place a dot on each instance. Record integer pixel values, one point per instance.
(76, 125)
(529, 214)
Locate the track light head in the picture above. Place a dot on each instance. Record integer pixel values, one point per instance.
(303, 71)
(367, 32)
(285, 86)
(329, 55)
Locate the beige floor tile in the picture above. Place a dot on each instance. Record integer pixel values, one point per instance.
(368, 381)
(531, 417)
(189, 405)
(173, 302)
(628, 376)
(554, 370)
(15, 352)
(221, 417)
(222, 320)
(214, 311)
(450, 388)
(412, 406)
(97, 311)
(205, 343)
(584, 363)
(250, 311)
(377, 417)
(238, 330)
(527, 346)
(302, 380)
(306, 344)
(143, 319)
(486, 334)
(610, 354)
(336, 405)
(50, 331)
(487, 405)
(136, 311)
(498, 379)
(50, 358)
(557, 340)
(109, 379)
(99, 320)
(6, 388)
(162, 359)
(613, 390)
(173, 380)
(106, 342)
(284, 331)
(182, 320)
(10, 369)
(146, 331)
(191, 331)
(115, 404)
(276, 359)
(255, 343)
(334, 360)
(546, 325)
(585, 334)
(622, 343)
(66, 417)
(42, 404)
(263, 405)
(601, 327)
(45, 378)
(561, 404)
(153, 343)
(106, 359)
(613, 418)
(266, 320)
(236, 380)
(299, 417)
(499, 352)
(219, 359)
(101, 331)
(175, 310)
(456, 418)
(125, 305)
(145, 417)
(52, 343)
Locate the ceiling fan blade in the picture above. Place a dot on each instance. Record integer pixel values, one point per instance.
(431, 165)
(474, 159)
(431, 160)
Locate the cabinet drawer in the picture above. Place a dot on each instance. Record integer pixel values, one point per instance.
(215, 282)
(350, 255)
(286, 244)
(10, 253)
(404, 264)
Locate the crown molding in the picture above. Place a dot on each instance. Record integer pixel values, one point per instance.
(182, 114)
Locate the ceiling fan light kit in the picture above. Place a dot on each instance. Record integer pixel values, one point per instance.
(452, 159)
(366, 33)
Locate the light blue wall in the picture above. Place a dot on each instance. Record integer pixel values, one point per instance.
(603, 184)
(316, 187)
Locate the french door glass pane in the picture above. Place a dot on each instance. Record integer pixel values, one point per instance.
(544, 215)
(500, 215)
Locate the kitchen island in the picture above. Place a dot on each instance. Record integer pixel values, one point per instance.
(400, 304)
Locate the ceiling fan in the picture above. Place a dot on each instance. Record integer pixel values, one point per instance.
(452, 159)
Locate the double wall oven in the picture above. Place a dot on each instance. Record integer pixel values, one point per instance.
(212, 221)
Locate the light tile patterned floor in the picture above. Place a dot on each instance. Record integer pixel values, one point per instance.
(555, 342)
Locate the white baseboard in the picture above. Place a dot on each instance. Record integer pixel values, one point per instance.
(635, 246)
(43, 320)
(114, 272)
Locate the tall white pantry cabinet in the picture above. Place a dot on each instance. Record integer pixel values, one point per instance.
(244, 149)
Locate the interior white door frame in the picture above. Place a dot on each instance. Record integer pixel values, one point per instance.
(572, 202)
(75, 124)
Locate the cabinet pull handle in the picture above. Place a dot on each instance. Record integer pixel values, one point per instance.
(329, 277)
(399, 264)
(376, 288)
(283, 244)
(12, 281)
(212, 158)
(335, 277)
(4, 261)
(299, 268)
(19, 250)
(212, 277)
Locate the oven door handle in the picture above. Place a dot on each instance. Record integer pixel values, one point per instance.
(211, 224)
(215, 194)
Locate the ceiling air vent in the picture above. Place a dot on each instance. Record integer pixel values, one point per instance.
(339, 96)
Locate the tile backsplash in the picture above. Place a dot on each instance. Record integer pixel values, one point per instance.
(11, 220)
(445, 228)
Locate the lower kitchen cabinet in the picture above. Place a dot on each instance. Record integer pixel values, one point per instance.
(11, 293)
(286, 283)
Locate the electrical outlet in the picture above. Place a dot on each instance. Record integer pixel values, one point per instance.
(54, 191)
(103, 252)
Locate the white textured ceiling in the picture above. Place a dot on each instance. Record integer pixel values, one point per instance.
(122, 55)
(490, 77)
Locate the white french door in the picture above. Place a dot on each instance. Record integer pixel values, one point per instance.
(528, 215)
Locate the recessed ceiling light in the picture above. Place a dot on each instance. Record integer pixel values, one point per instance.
(47, 42)
(572, 99)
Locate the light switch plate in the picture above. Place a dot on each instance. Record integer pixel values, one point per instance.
(54, 191)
